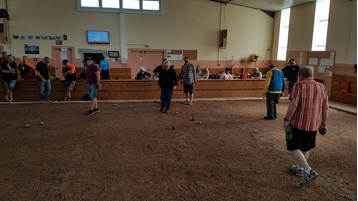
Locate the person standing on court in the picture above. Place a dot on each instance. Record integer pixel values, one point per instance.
(292, 69)
(43, 79)
(68, 71)
(93, 84)
(188, 74)
(309, 100)
(157, 70)
(104, 69)
(167, 83)
(10, 77)
(274, 87)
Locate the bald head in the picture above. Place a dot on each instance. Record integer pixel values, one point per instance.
(306, 72)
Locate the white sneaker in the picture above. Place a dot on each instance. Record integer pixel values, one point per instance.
(309, 177)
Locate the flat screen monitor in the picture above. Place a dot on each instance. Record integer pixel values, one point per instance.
(98, 37)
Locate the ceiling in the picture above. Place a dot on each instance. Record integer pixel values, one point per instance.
(266, 5)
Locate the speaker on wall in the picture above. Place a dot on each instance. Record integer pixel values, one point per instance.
(223, 37)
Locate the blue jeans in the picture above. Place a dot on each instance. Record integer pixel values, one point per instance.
(92, 90)
(47, 87)
(10, 85)
(166, 96)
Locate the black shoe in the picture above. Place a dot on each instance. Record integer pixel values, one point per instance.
(275, 117)
(161, 109)
(268, 118)
(166, 111)
(91, 112)
(96, 110)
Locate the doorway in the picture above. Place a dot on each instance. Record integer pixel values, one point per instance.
(96, 57)
(58, 55)
(149, 59)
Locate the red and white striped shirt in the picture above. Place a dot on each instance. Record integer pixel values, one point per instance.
(311, 96)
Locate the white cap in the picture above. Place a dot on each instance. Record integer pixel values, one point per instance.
(142, 68)
(256, 68)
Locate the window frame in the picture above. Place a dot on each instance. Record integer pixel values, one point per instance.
(121, 9)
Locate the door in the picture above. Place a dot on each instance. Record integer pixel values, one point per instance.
(57, 58)
(148, 59)
(95, 57)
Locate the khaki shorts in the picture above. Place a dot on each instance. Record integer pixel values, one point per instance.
(70, 85)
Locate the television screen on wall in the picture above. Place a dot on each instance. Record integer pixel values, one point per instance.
(98, 37)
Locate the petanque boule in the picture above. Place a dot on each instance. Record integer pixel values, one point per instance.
(130, 106)
(176, 112)
(322, 131)
(173, 128)
(193, 119)
(199, 122)
(27, 126)
(42, 123)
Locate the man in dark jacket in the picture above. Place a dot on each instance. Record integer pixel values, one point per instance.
(291, 69)
(142, 75)
(167, 83)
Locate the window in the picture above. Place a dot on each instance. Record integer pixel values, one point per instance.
(283, 34)
(89, 3)
(130, 6)
(110, 4)
(319, 38)
(150, 5)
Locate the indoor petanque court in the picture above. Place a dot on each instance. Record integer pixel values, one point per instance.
(133, 153)
(187, 93)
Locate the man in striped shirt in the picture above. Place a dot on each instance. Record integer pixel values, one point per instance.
(309, 100)
(188, 73)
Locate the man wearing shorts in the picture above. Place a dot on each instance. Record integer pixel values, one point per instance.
(93, 79)
(10, 77)
(68, 71)
(309, 99)
(188, 73)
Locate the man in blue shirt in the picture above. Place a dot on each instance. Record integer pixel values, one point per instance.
(104, 69)
(274, 87)
(291, 70)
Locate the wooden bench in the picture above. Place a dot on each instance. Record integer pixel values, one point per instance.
(141, 89)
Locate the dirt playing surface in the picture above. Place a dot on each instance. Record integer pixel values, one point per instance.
(133, 153)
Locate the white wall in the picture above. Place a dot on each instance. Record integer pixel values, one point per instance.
(341, 34)
(185, 24)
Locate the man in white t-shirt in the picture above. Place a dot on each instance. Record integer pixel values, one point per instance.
(226, 75)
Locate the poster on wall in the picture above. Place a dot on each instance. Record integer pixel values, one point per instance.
(51, 37)
(32, 49)
(44, 37)
(30, 37)
(37, 37)
(22, 37)
(15, 36)
(58, 42)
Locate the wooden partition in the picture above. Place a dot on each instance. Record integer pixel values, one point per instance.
(344, 97)
(115, 73)
(146, 89)
(235, 70)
